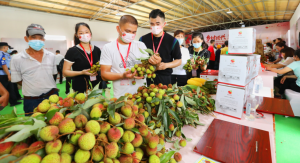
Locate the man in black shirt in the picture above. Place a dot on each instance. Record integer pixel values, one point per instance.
(164, 44)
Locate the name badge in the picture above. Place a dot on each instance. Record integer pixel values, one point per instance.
(93, 78)
(124, 82)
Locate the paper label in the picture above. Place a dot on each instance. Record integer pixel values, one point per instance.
(93, 78)
(194, 72)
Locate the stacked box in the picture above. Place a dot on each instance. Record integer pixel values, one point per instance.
(210, 75)
(242, 41)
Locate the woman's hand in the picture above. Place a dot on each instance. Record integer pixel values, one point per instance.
(282, 80)
(201, 62)
(194, 67)
(129, 75)
(86, 72)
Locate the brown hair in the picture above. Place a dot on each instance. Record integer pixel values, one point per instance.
(281, 44)
(288, 52)
(128, 19)
(178, 32)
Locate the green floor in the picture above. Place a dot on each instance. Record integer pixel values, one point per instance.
(287, 132)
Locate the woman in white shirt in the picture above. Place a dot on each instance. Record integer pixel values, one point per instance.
(179, 74)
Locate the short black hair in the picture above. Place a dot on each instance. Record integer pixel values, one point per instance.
(14, 52)
(212, 41)
(297, 53)
(27, 34)
(226, 43)
(128, 19)
(57, 51)
(269, 45)
(280, 39)
(155, 13)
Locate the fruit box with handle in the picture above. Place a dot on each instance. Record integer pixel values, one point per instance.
(210, 75)
(242, 41)
(231, 100)
(235, 70)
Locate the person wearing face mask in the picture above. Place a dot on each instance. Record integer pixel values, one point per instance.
(199, 50)
(120, 55)
(81, 58)
(179, 74)
(5, 76)
(165, 45)
(33, 68)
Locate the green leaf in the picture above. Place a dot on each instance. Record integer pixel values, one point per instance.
(95, 93)
(159, 147)
(36, 132)
(198, 90)
(91, 102)
(150, 51)
(166, 157)
(120, 124)
(63, 110)
(85, 113)
(190, 101)
(157, 131)
(175, 115)
(155, 99)
(199, 123)
(148, 108)
(174, 86)
(111, 110)
(176, 144)
(170, 141)
(119, 105)
(7, 159)
(160, 108)
(50, 114)
(183, 102)
(122, 98)
(96, 87)
(165, 120)
(189, 139)
(142, 51)
(135, 130)
(41, 152)
(91, 85)
(75, 113)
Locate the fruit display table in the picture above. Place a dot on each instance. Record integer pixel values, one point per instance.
(189, 156)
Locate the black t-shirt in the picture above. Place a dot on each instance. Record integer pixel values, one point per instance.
(77, 56)
(169, 49)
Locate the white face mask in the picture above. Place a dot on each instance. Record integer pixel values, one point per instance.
(85, 38)
(127, 37)
(156, 29)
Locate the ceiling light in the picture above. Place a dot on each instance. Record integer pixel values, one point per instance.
(119, 13)
(229, 12)
(241, 22)
(192, 30)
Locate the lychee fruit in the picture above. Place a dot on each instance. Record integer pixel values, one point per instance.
(154, 159)
(178, 133)
(111, 150)
(172, 160)
(65, 158)
(97, 153)
(53, 99)
(49, 133)
(162, 136)
(74, 138)
(151, 151)
(161, 141)
(176, 97)
(96, 113)
(127, 148)
(133, 82)
(80, 98)
(114, 135)
(51, 158)
(171, 127)
(34, 146)
(43, 107)
(177, 157)
(93, 127)
(66, 126)
(143, 130)
(126, 110)
(56, 119)
(135, 109)
(137, 141)
(128, 136)
(113, 99)
(179, 104)
(121, 130)
(140, 118)
(5, 148)
(148, 137)
(153, 141)
(68, 102)
(53, 146)
(126, 159)
(182, 143)
(32, 158)
(68, 148)
(82, 156)
(129, 123)
(158, 124)
(149, 99)
(139, 153)
(19, 150)
(115, 120)
(164, 87)
(87, 141)
(60, 102)
(146, 114)
(80, 120)
(159, 154)
(104, 127)
(102, 138)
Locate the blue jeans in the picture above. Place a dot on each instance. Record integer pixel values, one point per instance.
(30, 104)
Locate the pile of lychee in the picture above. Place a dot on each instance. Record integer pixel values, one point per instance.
(94, 68)
(188, 66)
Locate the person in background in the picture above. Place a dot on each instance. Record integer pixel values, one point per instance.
(275, 51)
(34, 68)
(268, 52)
(4, 97)
(14, 52)
(80, 58)
(199, 50)
(15, 85)
(289, 81)
(225, 49)
(163, 43)
(58, 58)
(5, 73)
(122, 54)
(217, 61)
(279, 46)
(179, 74)
(212, 58)
(284, 42)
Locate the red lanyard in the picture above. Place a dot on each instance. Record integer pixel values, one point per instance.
(159, 42)
(124, 62)
(90, 61)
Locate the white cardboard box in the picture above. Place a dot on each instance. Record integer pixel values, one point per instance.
(242, 41)
(231, 100)
(235, 70)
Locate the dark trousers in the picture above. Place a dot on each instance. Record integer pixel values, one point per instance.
(289, 84)
(59, 71)
(211, 65)
(181, 80)
(30, 104)
(68, 81)
(10, 88)
(16, 90)
(164, 79)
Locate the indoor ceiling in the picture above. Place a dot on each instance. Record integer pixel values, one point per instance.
(187, 15)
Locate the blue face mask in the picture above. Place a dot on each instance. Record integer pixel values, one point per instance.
(9, 51)
(37, 45)
(197, 45)
(180, 41)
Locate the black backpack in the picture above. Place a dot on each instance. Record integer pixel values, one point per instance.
(61, 64)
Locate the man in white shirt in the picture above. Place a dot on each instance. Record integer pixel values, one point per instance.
(58, 58)
(122, 54)
(33, 68)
